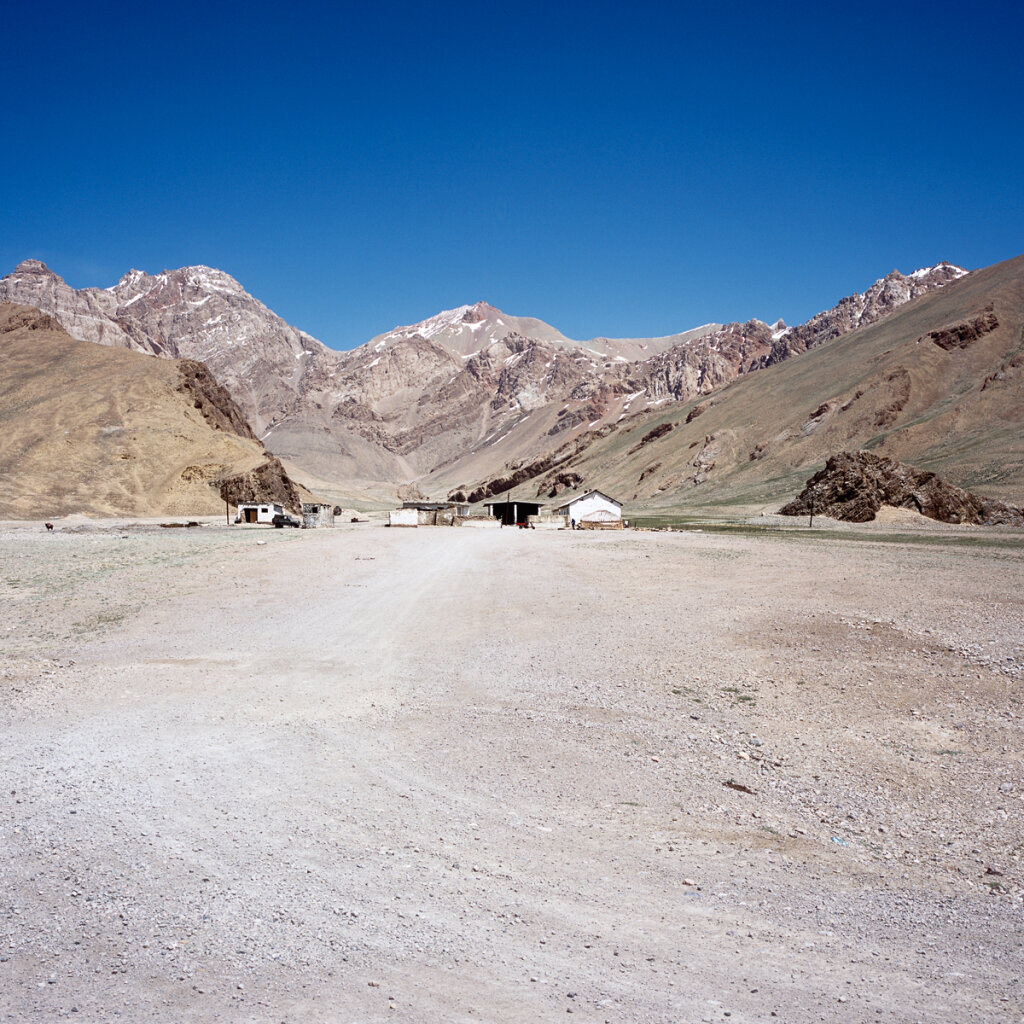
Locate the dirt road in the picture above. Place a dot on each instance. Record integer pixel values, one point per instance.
(456, 775)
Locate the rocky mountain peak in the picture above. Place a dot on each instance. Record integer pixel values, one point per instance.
(36, 271)
(33, 267)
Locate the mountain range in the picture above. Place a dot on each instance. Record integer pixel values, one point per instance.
(467, 395)
(938, 383)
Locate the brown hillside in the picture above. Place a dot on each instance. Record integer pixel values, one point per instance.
(104, 431)
(939, 384)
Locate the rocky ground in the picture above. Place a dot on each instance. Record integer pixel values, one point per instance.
(455, 775)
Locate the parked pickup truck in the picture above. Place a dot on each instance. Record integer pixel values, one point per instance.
(281, 520)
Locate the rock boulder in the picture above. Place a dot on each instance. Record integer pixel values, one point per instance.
(853, 486)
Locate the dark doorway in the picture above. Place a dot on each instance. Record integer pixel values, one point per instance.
(514, 513)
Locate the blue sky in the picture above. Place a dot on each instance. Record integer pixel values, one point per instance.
(612, 168)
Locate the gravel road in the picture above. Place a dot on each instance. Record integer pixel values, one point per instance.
(362, 775)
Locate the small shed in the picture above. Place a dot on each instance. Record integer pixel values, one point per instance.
(433, 513)
(258, 512)
(315, 514)
(594, 510)
(513, 511)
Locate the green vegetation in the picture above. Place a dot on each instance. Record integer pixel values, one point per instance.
(1013, 539)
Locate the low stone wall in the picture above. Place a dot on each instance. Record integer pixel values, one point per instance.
(403, 517)
(548, 522)
(601, 524)
(478, 522)
(438, 517)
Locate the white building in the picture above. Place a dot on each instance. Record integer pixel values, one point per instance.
(593, 511)
(258, 512)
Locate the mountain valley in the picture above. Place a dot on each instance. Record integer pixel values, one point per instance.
(474, 395)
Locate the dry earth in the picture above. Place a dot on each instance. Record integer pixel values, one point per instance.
(454, 775)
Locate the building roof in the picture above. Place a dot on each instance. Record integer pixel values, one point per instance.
(587, 494)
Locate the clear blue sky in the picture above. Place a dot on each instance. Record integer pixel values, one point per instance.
(613, 168)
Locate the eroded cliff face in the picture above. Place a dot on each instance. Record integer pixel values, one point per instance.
(853, 486)
(213, 400)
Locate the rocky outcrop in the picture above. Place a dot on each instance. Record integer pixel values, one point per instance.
(266, 482)
(218, 408)
(28, 319)
(853, 486)
(513, 479)
(652, 435)
(698, 410)
(562, 482)
(967, 333)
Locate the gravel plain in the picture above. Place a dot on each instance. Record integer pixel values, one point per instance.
(366, 774)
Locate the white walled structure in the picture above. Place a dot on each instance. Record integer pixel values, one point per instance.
(593, 507)
(258, 512)
(403, 517)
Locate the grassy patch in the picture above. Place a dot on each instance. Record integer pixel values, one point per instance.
(1014, 539)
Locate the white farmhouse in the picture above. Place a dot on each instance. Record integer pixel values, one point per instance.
(593, 511)
(258, 512)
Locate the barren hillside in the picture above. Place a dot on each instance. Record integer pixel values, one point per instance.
(86, 428)
(939, 384)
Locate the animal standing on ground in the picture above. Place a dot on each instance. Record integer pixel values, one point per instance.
(49, 526)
